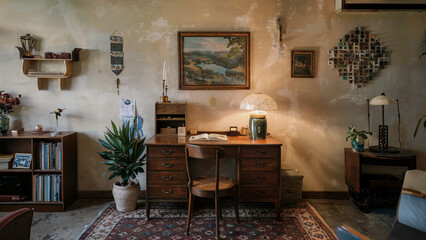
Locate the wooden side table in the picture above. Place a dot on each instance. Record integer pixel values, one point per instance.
(365, 189)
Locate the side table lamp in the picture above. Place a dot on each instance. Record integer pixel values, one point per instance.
(383, 145)
(258, 103)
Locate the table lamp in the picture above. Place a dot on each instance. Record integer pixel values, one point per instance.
(383, 145)
(258, 103)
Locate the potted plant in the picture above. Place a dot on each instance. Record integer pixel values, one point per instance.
(6, 106)
(418, 123)
(125, 157)
(357, 138)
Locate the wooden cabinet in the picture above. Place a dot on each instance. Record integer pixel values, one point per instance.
(30, 68)
(368, 190)
(258, 164)
(169, 116)
(66, 170)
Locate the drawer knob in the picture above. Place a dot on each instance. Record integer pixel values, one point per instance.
(167, 165)
(259, 153)
(165, 152)
(260, 192)
(167, 178)
(167, 192)
(260, 165)
(260, 179)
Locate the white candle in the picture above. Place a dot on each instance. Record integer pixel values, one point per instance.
(165, 76)
(164, 70)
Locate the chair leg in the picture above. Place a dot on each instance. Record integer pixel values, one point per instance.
(217, 203)
(190, 210)
(236, 205)
(147, 210)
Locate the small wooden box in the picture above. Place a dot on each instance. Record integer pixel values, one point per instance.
(291, 186)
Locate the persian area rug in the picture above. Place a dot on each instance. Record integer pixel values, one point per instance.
(168, 221)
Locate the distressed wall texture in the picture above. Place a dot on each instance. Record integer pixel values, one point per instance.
(312, 116)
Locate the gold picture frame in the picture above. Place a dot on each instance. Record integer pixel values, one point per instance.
(214, 60)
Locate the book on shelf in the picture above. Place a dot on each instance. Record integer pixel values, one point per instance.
(209, 137)
(50, 157)
(47, 188)
(4, 160)
(11, 198)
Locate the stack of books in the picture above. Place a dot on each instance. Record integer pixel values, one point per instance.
(47, 188)
(50, 157)
(4, 161)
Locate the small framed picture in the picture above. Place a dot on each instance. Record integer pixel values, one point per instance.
(22, 160)
(302, 64)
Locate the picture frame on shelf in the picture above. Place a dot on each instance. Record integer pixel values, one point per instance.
(302, 64)
(214, 60)
(22, 160)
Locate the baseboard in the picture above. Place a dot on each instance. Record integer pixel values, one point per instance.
(325, 195)
(102, 194)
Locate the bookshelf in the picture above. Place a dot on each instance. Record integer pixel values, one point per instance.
(55, 169)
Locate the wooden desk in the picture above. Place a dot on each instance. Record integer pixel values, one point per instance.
(258, 168)
(363, 188)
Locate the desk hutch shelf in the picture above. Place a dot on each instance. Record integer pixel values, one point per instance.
(32, 63)
(23, 182)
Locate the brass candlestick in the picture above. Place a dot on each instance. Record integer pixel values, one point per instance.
(164, 97)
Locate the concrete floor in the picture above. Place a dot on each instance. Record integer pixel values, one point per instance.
(69, 224)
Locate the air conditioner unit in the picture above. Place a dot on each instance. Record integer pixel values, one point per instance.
(380, 5)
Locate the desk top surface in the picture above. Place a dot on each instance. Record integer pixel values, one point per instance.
(173, 139)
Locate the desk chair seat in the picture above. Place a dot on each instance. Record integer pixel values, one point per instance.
(206, 186)
(209, 186)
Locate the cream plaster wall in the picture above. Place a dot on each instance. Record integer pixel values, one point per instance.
(312, 116)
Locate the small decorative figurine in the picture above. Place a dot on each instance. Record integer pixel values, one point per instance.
(38, 128)
(57, 113)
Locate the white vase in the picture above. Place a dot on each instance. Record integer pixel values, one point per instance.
(126, 197)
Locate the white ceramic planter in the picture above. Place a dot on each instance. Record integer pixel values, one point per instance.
(126, 197)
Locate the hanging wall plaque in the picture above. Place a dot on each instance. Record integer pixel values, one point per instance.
(358, 57)
(117, 55)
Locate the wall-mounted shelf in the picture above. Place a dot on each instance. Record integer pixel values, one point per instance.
(31, 63)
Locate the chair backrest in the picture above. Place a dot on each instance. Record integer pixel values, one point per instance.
(199, 152)
(412, 203)
(17, 224)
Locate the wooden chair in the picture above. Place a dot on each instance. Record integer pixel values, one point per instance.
(209, 186)
(16, 225)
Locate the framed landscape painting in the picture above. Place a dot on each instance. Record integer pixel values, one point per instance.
(214, 60)
(302, 64)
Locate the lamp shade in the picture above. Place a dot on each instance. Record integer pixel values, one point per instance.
(382, 100)
(258, 101)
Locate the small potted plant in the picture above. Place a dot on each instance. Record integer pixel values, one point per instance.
(6, 106)
(357, 138)
(125, 157)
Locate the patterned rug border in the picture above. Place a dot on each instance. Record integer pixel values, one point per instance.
(313, 212)
(86, 227)
(321, 219)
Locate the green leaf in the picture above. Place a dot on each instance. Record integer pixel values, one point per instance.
(418, 124)
(105, 145)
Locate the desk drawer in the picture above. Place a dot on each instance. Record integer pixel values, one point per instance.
(170, 178)
(259, 164)
(166, 151)
(166, 164)
(259, 151)
(251, 192)
(259, 178)
(167, 191)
